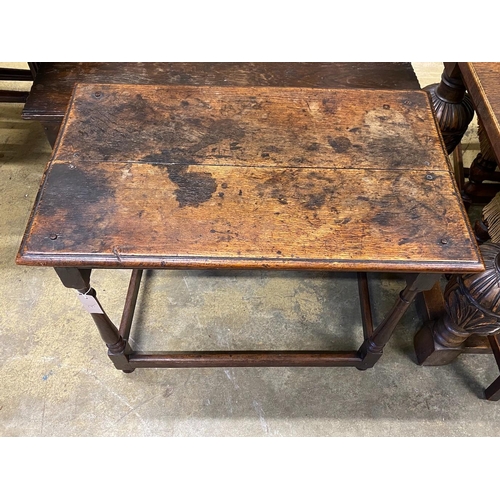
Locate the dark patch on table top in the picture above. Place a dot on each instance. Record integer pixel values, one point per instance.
(193, 188)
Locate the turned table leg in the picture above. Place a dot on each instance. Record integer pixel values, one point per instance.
(452, 106)
(118, 347)
(372, 348)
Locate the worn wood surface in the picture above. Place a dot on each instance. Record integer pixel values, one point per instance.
(55, 81)
(483, 83)
(148, 176)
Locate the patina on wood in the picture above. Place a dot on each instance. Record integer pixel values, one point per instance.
(176, 176)
(54, 84)
(55, 81)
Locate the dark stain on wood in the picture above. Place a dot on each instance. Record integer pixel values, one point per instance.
(397, 151)
(216, 132)
(339, 144)
(173, 156)
(70, 183)
(315, 201)
(383, 219)
(329, 105)
(193, 188)
(286, 185)
(314, 175)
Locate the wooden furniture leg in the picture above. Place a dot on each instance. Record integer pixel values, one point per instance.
(372, 347)
(51, 129)
(492, 392)
(452, 106)
(471, 308)
(118, 347)
(125, 359)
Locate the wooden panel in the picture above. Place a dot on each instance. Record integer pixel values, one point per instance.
(253, 126)
(139, 179)
(54, 82)
(483, 83)
(131, 214)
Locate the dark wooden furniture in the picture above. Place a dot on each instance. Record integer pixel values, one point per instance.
(464, 320)
(54, 83)
(17, 75)
(464, 88)
(482, 81)
(170, 177)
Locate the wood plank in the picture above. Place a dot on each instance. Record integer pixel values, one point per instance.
(253, 126)
(54, 83)
(126, 215)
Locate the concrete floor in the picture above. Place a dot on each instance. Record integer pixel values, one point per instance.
(56, 379)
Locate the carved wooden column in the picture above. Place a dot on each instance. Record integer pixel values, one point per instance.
(452, 106)
(472, 306)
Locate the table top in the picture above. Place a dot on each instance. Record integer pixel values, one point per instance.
(483, 84)
(54, 82)
(282, 178)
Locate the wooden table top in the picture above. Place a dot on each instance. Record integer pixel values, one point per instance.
(483, 83)
(283, 178)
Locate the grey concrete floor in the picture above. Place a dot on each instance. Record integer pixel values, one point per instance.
(56, 379)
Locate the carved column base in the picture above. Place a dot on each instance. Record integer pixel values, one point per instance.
(430, 352)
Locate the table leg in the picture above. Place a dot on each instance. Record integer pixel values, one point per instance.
(492, 392)
(125, 359)
(51, 130)
(452, 106)
(372, 348)
(118, 347)
(441, 341)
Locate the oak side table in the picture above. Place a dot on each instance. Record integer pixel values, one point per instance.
(178, 177)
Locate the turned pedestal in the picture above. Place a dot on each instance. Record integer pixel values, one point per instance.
(472, 307)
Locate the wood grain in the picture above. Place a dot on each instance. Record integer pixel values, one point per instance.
(54, 83)
(139, 179)
(252, 126)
